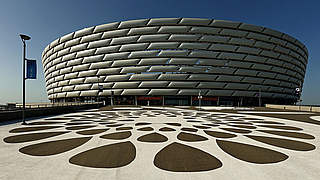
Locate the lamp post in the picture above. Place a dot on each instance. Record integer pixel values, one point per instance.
(24, 38)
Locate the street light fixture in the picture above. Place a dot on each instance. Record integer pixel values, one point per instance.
(24, 38)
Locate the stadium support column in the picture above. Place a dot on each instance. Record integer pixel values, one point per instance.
(53, 97)
(99, 90)
(259, 97)
(199, 103)
(112, 93)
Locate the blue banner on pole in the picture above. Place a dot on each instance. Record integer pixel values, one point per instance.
(31, 69)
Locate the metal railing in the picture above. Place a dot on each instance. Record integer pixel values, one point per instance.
(48, 105)
(309, 108)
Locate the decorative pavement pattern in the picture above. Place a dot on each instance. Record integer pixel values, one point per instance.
(169, 140)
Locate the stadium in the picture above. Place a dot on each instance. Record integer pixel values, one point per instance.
(175, 61)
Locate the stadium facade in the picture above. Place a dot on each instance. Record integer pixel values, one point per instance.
(172, 60)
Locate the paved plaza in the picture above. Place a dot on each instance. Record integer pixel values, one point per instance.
(163, 143)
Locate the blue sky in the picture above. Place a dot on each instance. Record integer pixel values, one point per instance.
(45, 21)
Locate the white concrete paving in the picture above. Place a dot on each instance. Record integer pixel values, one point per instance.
(270, 112)
(315, 118)
(300, 164)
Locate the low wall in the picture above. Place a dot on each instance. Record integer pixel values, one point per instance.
(295, 108)
(37, 112)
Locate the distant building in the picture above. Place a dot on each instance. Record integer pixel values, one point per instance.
(173, 60)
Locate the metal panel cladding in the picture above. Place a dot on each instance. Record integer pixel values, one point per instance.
(175, 56)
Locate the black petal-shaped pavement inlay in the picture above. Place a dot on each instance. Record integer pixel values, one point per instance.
(173, 124)
(123, 128)
(32, 137)
(29, 129)
(87, 119)
(117, 135)
(114, 125)
(126, 120)
(105, 120)
(267, 122)
(241, 123)
(44, 122)
(142, 123)
(190, 137)
(244, 126)
(201, 127)
(108, 156)
(92, 131)
(166, 129)
(289, 134)
(81, 121)
(78, 127)
(194, 121)
(53, 147)
(243, 131)
(189, 129)
(153, 137)
(221, 123)
(104, 123)
(145, 129)
(284, 143)
(233, 116)
(177, 157)
(234, 120)
(282, 127)
(212, 125)
(76, 123)
(218, 134)
(250, 153)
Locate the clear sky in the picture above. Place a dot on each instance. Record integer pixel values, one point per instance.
(46, 20)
